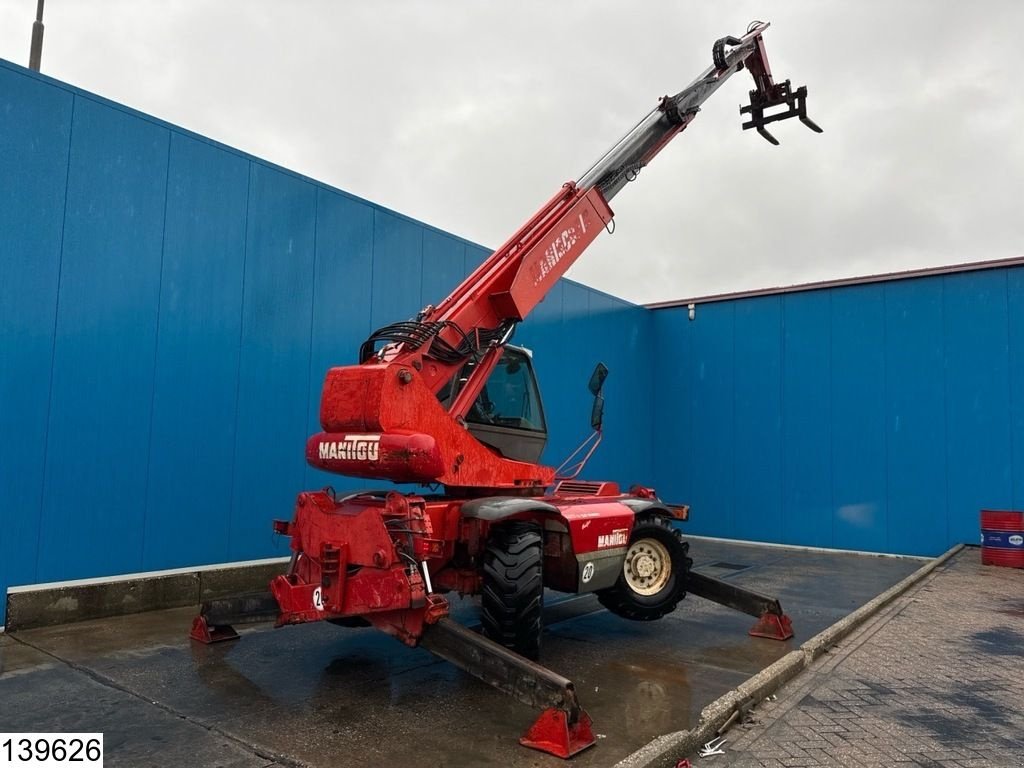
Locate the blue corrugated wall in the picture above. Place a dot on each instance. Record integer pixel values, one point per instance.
(876, 417)
(168, 307)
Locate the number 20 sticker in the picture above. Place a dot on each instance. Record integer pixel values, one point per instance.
(318, 599)
(588, 572)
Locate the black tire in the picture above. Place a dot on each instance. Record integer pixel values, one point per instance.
(513, 590)
(623, 599)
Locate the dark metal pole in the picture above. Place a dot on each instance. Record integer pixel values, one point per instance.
(36, 53)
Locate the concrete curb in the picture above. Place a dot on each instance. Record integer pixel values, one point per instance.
(666, 750)
(825, 639)
(48, 605)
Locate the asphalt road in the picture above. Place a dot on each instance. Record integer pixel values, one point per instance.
(320, 695)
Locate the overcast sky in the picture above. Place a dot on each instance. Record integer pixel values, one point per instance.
(469, 114)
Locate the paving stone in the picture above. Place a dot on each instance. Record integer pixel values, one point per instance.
(935, 680)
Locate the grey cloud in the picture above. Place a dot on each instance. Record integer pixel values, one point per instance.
(470, 114)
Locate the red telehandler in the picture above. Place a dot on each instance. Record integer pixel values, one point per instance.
(445, 400)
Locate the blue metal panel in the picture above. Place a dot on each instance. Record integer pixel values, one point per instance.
(196, 380)
(542, 334)
(614, 335)
(397, 267)
(978, 447)
(632, 410)
(341, 302)
(1015, 307)
(916, 423)
(635, 427)
(806, 417)
(575, 302)
(35, 128)
(273, 386)
(443, 267)
(97, 452)
(714, 425)
(758, 460)
(859, 493)
(475, 256)
(549, 311)
(565, 386)
(673, 458)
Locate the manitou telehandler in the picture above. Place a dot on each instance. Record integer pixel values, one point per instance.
(445, 400)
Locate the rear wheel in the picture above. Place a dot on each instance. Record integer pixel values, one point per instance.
(654, 572)
(513, 590)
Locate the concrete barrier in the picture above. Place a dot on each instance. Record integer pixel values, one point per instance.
(46, 605)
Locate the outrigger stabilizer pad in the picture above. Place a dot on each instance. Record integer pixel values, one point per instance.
(216, 617)
(206, 633)
(774, 626)
(553, 733)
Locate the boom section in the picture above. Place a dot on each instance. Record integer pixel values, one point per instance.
(621, 164)
(478, 317)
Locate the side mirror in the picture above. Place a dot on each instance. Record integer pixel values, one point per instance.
(597, 379)
(597, 412)
(596, 383)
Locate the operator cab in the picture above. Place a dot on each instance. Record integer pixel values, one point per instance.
(507, 415)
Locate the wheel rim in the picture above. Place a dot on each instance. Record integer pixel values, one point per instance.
(648, 567)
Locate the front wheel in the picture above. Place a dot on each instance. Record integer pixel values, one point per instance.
(654, 572)
(512, 601)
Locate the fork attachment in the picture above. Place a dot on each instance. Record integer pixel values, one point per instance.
(767, 93)
(779, 93)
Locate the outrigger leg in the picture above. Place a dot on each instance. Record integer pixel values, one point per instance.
(772, 622)
(562, 729)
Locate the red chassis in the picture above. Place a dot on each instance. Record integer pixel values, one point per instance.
(345, 563)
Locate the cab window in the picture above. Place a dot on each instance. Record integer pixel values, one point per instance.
(509, 398)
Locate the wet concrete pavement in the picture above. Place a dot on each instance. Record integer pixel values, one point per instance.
(325, 696)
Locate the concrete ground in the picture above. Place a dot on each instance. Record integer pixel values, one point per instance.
(935, 679)
(321, 695)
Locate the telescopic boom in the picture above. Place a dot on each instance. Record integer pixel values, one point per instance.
(478, 317)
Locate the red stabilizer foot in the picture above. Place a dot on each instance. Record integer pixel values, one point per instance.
(553, 733)
(204, 633)
(773, 626)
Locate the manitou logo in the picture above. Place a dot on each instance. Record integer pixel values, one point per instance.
(617, 538)
(559, 247)
(352, 448)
